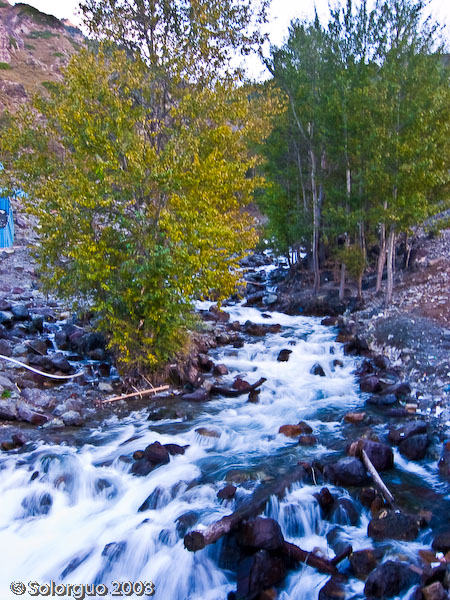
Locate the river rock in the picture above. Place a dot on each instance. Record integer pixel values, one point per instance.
(435, 591)
(408, 430)
(205, 362)
(317, 369)
(363, 562)
(307, 440)
(370, 385)
(227, 492)
(345, 512)
(354, 417)
(415, 446)
(240, 384)
(389, 579)
(255, 298)
(219, 315)
(260, 534)
(26, 413)
(295, 430)
(325, 499)
(8, 410)
(346, 471)
(205, 432)
(393, 525)
(20, 312)
(380, 455)
(38, 347)
(258, 572)
(260, 329)
(199, 395)
(444, 461)
(61, 340)
(72, 418)
(39, 399)
(60, 363)
(220, 370)
(284, 355)
(174, 449)
(6, 383)
(384, 400)
(334, 589)
(6, 318)
(5, 347)
(441, 542)
(157, 454)
(5, 305)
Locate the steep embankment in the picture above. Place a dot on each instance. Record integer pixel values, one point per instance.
(33, 48)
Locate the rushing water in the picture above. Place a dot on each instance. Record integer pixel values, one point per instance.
(71, 515)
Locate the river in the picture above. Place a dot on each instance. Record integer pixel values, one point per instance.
(71, 514)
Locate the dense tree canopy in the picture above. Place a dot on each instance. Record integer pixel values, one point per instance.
(362, 150)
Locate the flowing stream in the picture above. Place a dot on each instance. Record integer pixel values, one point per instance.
(71, 514)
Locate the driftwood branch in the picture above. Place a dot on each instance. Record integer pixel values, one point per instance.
(230, 393)
(323, 565)
(381, 487)
(196, 540)
(134, 394)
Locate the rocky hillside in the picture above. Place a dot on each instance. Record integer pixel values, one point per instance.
(33, 48)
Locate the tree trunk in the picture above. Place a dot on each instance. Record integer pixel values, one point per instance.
(316, 222)
(390, 266)
(342, 283)
(381, 257)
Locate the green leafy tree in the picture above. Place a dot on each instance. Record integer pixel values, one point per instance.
(139, 174)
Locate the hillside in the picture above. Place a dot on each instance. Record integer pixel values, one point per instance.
(33, 48)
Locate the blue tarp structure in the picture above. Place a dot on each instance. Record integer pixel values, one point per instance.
(6, 223)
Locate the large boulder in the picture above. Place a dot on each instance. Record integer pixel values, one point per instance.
(260, 534)
(347, 471)
(406, 431)
(415, 446)
(380, 455)
(393, 525)
(389, 579)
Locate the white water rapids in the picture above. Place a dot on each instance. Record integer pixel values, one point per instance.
(70, 515)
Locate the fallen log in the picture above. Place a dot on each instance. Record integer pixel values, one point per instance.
(231, 393)
(293, 552)
(196, 540)
(134, 394)
(379, 484)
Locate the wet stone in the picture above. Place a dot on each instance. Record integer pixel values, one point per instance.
(363, 562)
(389, 579)
(227, 492)
(220, 370)
(334, 589)
(394, 525)
(72, 418)
(441, 542)
(284, 355)
(307, 440)
(260, 533)
(415, 446)
(435, 591)
(259, 572)
(317, 369)
(347, 471)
